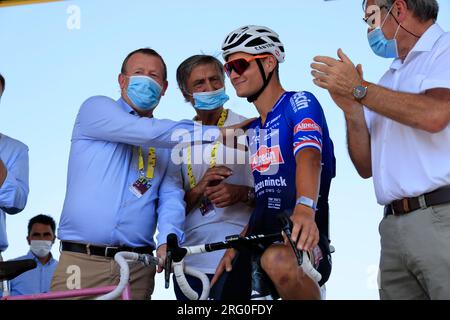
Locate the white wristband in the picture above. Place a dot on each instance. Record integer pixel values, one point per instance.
(306, 202)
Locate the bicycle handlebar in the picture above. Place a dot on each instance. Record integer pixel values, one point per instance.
(175, 256)
(121, 259)
(175, 253)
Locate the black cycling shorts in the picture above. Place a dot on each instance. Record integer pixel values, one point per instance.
(237, 284)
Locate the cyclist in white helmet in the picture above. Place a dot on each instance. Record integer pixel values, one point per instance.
(292, 161)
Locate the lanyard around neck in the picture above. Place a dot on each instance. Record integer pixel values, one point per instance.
(151, 163)
(212, 162)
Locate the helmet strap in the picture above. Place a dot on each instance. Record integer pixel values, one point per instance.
(266, 81)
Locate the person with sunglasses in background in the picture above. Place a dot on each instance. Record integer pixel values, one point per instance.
(293, 163)
(398, 133)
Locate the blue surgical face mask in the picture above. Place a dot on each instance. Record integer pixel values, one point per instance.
(144, 92)
(210, 100)
(380, 45)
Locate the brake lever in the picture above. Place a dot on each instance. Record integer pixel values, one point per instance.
(172, 244)
(286, 226)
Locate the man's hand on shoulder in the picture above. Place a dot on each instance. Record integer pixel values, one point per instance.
(229, 135)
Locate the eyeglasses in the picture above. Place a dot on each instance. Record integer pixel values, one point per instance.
(241, 64)
(373, 20)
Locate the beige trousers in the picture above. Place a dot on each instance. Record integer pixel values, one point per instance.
(80, 271)
(415, 255)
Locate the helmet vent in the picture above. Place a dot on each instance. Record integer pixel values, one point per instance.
(237, 43)
(255, 42)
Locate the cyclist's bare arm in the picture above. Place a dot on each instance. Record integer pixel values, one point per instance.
(227, 259)
(307, 182)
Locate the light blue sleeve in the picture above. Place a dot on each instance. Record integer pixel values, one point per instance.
(171, 206)
(14, 191)
(102, 118)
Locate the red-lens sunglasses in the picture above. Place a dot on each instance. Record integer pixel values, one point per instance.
(241, 64)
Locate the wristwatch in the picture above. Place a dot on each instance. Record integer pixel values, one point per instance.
(306, 202)
(360, 92)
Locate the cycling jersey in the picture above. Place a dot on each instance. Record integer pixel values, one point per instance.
(296, 122)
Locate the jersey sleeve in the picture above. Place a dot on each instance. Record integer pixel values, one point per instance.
(305, 116)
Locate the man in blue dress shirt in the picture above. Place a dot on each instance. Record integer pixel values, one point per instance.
(13, 179)
(41, 236)
(121, 181)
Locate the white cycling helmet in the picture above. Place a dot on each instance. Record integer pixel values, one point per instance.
(253, 40)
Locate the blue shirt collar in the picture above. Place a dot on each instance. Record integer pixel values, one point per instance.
(30, 255)
(126, 107)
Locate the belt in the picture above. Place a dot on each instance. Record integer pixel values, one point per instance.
(407, 205)
(101, 251)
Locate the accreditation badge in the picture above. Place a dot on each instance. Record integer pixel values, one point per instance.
(206, 207)
(140, 186)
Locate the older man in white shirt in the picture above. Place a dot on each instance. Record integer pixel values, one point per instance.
(401, 138)
(217, 180)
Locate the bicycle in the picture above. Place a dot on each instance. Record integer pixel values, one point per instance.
(175, 257)
(174, 261)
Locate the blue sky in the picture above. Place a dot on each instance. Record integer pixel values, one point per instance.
(51, 68)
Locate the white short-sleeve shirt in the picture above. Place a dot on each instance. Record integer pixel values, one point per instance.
(408, 162)
(221, 222)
